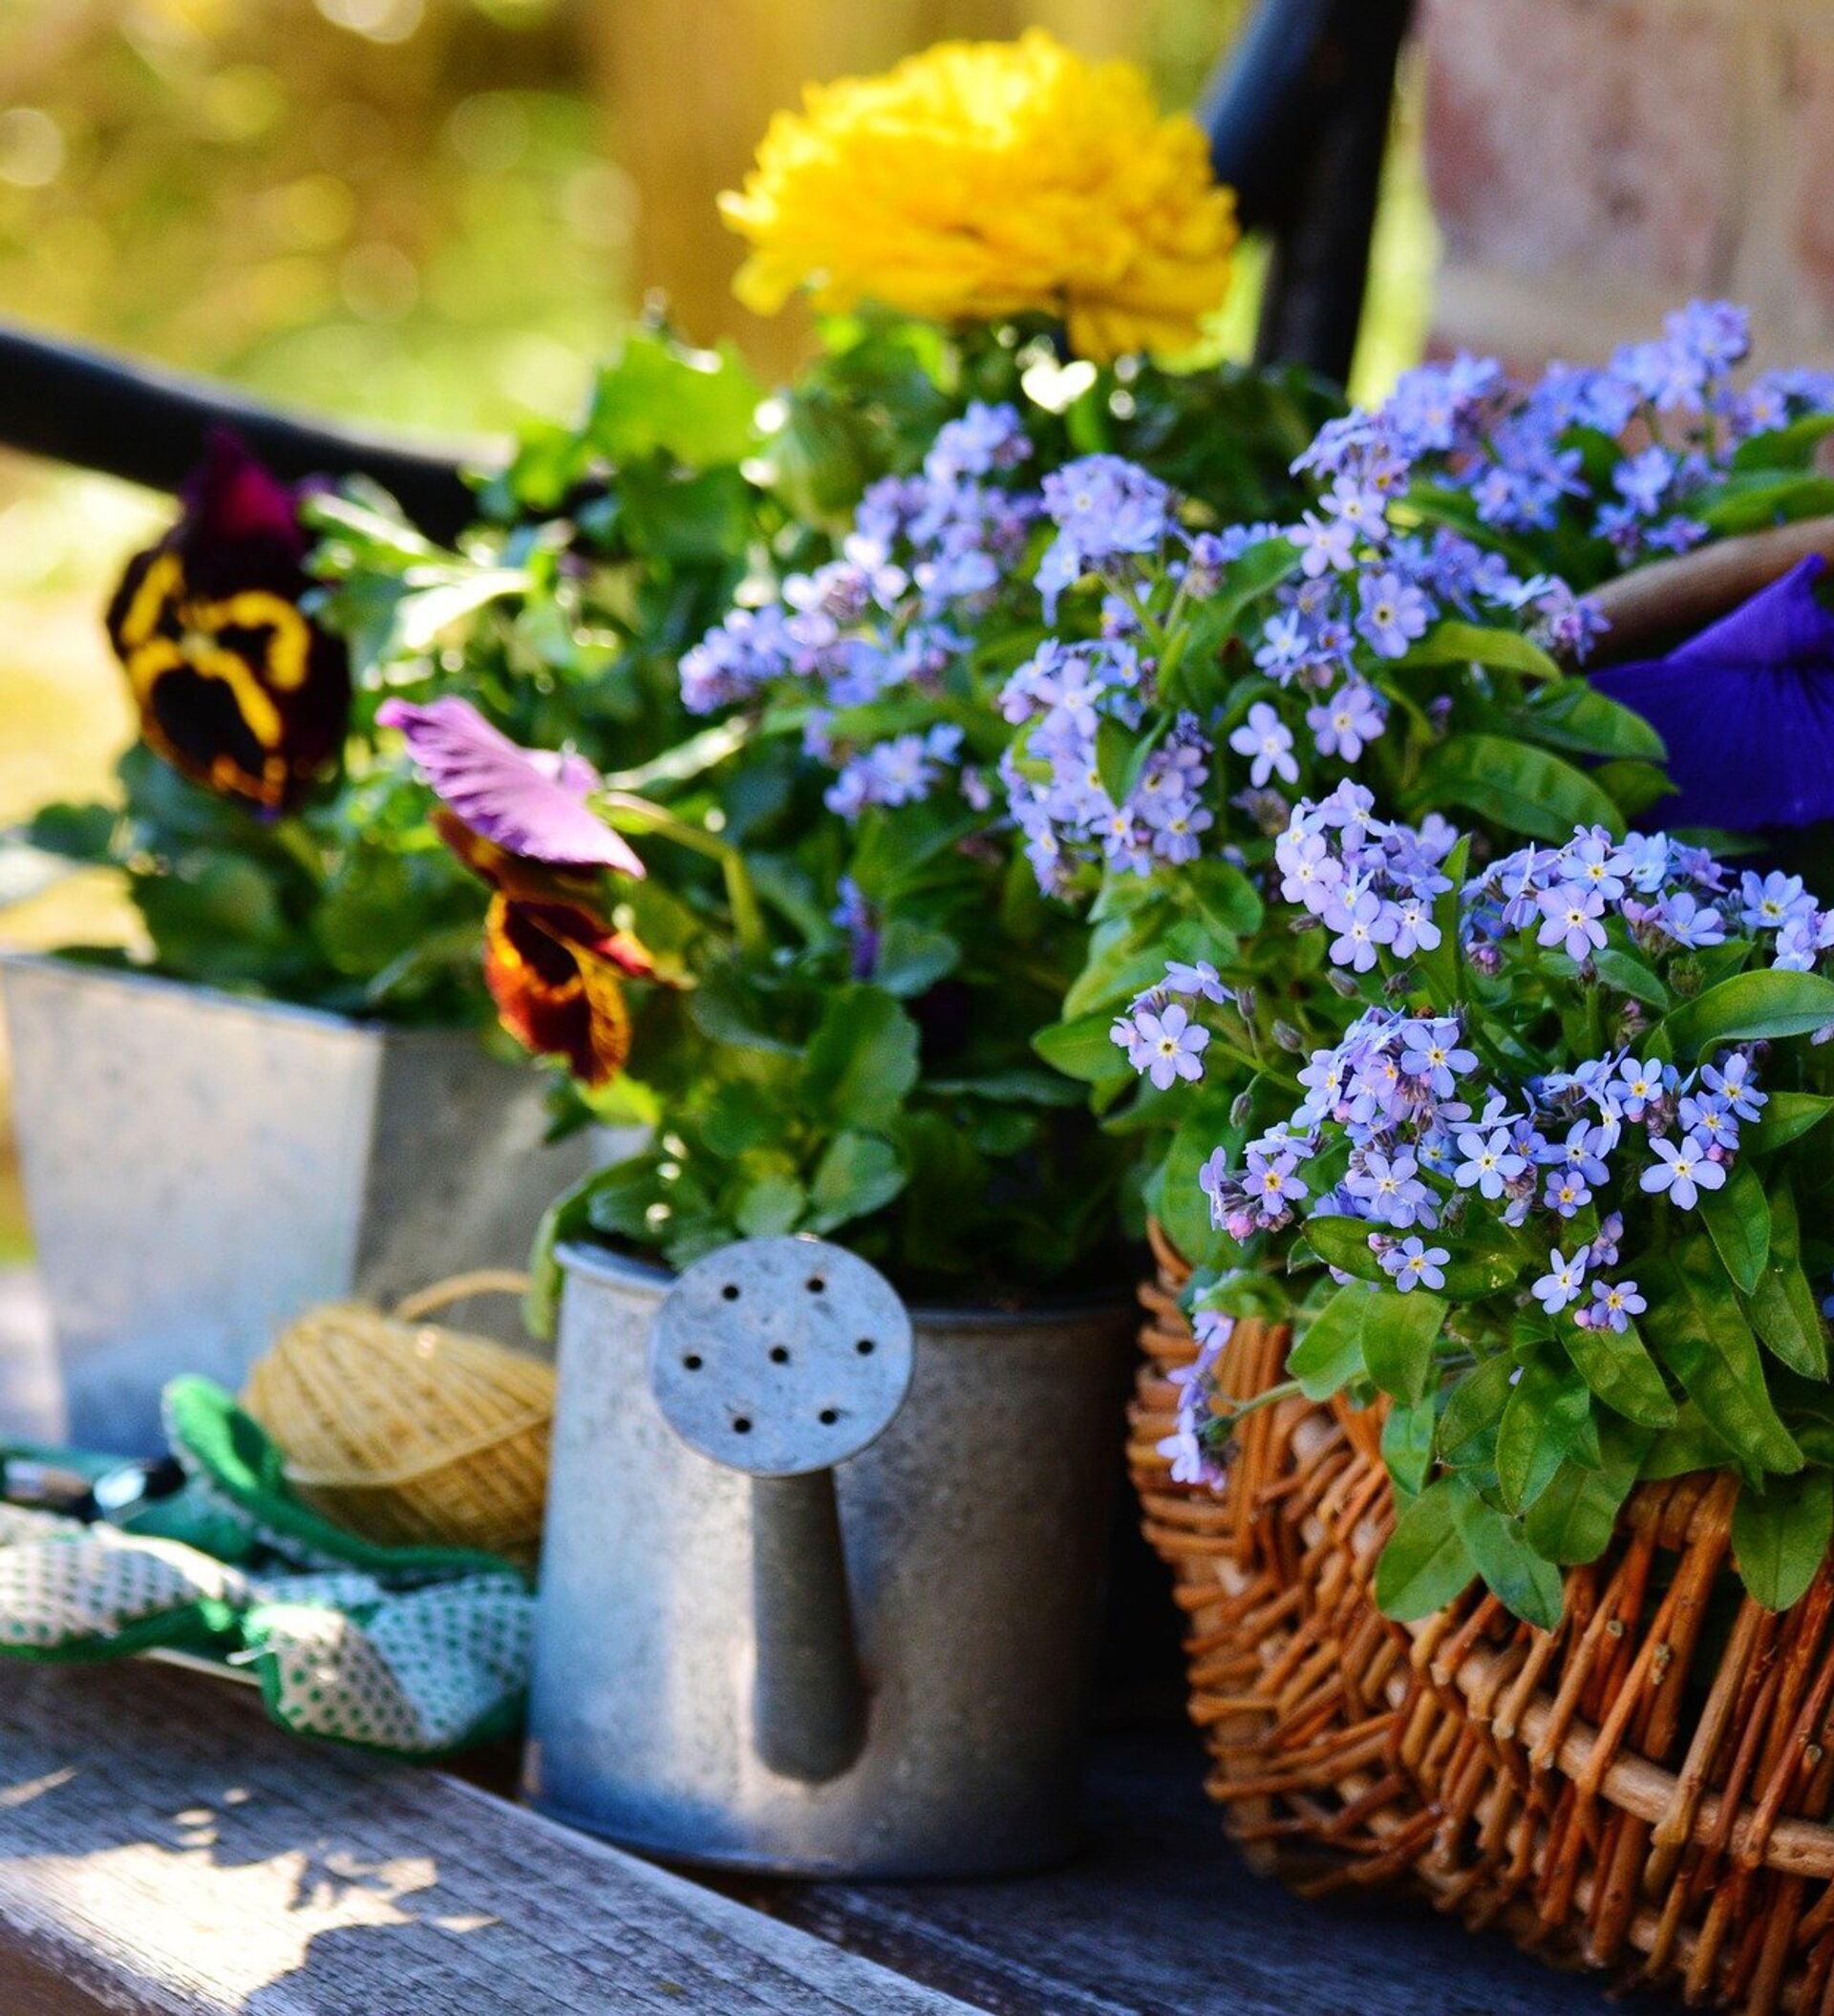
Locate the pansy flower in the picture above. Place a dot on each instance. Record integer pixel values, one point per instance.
(520, 819)
(237, 688)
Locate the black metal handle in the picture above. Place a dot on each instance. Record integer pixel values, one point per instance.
(1298, 115)
(149, 426)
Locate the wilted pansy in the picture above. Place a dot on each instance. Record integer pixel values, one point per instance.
(520, 820)
(237, 688)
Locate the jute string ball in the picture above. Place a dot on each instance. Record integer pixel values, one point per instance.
(407, 1432)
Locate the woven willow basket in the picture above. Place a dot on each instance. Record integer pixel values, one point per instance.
(1646, 1789)
(407, 1433)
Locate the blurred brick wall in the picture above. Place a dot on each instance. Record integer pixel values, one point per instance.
(1594, 163)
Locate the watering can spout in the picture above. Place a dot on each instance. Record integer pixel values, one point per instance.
(809, 1691)
(782, 1358)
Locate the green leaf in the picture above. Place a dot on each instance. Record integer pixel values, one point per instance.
(1782, 1307)
(1629, 975)
(1222, 896)
(1737, 1217)
(657, 394)
(1573, 1519)
(1083, 1049)
(1526, 791)
(1453, 643)
(1542, 1422)
(1690, 1445)
(1181, 1206)
(1440, 967)
(1330, 1352)
(1407, 1446)
(1697, 1329)
(1475, 1268)
(1115, 747)
(1519, 1578)
(1398, 1334)
(862, 1060)
(1617, 1367)
(858, 1174)
(1750, 1006)
(1577, 717)
(912, 958)
(1787, 1118)
(74, 833)
(771, 1204)
(1475, 1404)
(1780, 1538)
(1426, 1564)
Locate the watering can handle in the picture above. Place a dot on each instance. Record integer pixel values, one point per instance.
(808, 1693)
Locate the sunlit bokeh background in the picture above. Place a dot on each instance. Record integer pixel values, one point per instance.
(429, 213)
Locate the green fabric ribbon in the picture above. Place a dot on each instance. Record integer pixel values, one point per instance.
(417, 1651)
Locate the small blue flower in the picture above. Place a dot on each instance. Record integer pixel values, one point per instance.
(1414, 1265)
(1683, 1172)
(1489, 1162)
(1564, 1279)
(1269, 740)
(1613, 1305)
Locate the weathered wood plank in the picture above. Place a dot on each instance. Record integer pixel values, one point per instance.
(1161, 1918)
(164, 1849)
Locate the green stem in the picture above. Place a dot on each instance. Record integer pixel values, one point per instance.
(1286, 1389)
(741, 894)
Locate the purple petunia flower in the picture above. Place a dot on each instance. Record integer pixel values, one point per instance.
(1745, 710)
(530, 802)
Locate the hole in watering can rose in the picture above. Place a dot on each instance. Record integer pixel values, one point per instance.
(828, 1416)
(731, 1291)
(692, 1363)
(742, 1426)
(865, 1346)
(817, 1286)
(779, 1355)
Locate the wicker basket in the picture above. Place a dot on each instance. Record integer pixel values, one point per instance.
(1645, 1789)
(407, 1432)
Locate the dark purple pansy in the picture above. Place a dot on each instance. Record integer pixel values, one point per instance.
(530, 802)
(238, 688)
(1747, 709)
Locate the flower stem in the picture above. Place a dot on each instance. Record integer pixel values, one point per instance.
(741, 894)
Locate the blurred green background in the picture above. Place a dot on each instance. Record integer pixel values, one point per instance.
(431, 213)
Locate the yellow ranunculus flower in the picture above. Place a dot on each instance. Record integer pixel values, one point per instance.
(989, 178)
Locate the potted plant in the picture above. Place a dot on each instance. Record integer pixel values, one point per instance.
(1546, 1213)
(288, 1100)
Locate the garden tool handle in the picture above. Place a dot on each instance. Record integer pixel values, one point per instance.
(808, 1692)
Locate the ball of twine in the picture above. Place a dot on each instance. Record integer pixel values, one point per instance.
(407, 1432)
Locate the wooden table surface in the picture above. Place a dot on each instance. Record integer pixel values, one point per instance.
(163, 1848)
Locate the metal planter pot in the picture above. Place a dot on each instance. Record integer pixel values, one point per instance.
(200, 1168)
(974, 1531)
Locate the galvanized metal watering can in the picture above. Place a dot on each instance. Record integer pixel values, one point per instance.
(822, 1579)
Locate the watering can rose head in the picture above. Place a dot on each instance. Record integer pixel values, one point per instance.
(520, 819)
(237, 687)
(987, 180)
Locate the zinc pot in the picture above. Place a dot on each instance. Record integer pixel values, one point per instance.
(199, 1168)
(975, 1532)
